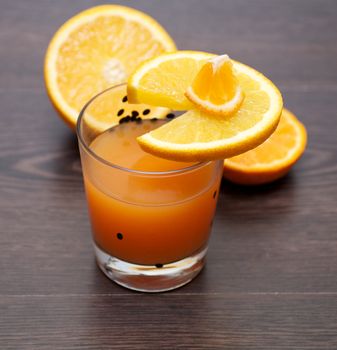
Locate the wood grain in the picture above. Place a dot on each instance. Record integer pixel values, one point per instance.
(270, 281)
(206, 321)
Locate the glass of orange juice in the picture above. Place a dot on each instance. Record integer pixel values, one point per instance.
(150, 217)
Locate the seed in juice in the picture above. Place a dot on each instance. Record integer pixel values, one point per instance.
(154, 119)
(170, 116)
(159, 266)
(120, 112)
(125, 99)
(119, 236)
(146, 111)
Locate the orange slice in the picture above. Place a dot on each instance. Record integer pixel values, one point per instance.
(215, 88)
(196, 135)
(96, 49)
(273, 158)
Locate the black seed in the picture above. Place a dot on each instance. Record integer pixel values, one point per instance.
(119, 235)
(138, 120)
(154, 119)
(135, 113)
(170, 116)
(214, 194)
(125, 99)
(146, 111)
(133, 118)
(120, 112)
(124, 119)
(159, 266)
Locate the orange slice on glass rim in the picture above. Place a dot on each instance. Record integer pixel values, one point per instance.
(197, 135)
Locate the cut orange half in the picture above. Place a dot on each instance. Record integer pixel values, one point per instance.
(273, 158)
(96, 49)
(196, 135)
(215, 89)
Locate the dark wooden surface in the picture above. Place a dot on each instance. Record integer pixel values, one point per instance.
(271, 278)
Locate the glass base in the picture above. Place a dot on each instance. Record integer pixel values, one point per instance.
(148, 278)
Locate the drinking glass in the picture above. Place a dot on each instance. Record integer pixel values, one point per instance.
(150, 229)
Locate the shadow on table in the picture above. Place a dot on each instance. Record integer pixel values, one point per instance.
(267, 202)
(68, 165)
(266, 189)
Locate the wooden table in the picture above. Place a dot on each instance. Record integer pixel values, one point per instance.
(271, 278)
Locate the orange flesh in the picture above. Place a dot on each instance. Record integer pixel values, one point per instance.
(152, 233)
(217, 86)
(273, 158)
(97, 51)
(275, 148)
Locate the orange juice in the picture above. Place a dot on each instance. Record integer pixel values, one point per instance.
(144, 209)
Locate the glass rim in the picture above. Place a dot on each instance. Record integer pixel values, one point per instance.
(116, 166)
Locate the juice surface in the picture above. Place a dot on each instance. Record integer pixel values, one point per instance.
(119, 146)
(141, 219)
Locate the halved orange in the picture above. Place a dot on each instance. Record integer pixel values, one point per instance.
(96, 49)
(215, 89)
(196, 135)
(273, 158)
